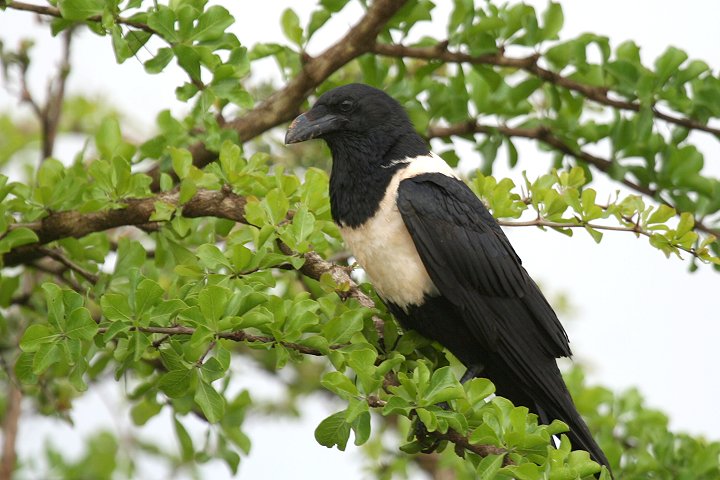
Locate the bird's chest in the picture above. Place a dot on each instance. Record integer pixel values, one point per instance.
(383, 247)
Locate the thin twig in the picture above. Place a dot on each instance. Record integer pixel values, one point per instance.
(544, 135)
(55, 12)
(541, 222)
(59, 273)
(50, 118)
(201, 360)
(58, 255)
(236, 336)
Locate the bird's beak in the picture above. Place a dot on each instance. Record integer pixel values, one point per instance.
(306, 127)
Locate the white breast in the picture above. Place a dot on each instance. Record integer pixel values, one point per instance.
(383, 247)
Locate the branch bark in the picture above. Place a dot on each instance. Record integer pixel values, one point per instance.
(10, 429)
(57, 225)
(50, 118)
(55, 12)
(283, 105)
(530, 65)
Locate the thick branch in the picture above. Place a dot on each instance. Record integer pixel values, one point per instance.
(285, 104)
(530, 65)
(544, 134)
(216, 203)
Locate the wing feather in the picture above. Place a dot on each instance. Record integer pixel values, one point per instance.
(473, 265)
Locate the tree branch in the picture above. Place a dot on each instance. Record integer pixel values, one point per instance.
(10, 428)
(55, 12)
(452, 436)
(530, 65)
(217, 203)
(58, 255)
(50, 118)
(57, 272)
(283, 105)
(544, 135)
(541, 222)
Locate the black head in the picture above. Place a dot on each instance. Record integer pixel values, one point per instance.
(367, 132)
(357, 115)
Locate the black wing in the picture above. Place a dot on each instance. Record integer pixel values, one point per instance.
(473, 265)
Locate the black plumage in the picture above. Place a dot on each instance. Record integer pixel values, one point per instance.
(436, 256)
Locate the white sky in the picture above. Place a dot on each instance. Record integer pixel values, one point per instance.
(640, 320)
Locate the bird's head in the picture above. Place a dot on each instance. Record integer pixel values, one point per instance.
(353, 114)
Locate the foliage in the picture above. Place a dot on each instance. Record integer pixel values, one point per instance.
(217, 251)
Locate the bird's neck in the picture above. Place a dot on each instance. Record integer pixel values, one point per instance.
(362, 169)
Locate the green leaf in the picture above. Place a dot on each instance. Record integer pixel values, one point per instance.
(46, 355)
(595, 234)
(189, 60)
(23, 368)
(116, 308)
(181, 161)
(163, 211)
(148, 293)
(17, 237)
(212, 257)
(158, 63)
(291, 26)
(668, 63)
(478, 389)
(35, 336)
(162, 21)
(686, 223)
(490, 466)
(341, 328)
(333, 5)
(210, 402)
(80, 9)
(339, 384)
(144, 411)
(443, 386)
(211, 24)
(176, 383)
(80, 325)
(553, 20)
(120, 45)
(187, 451)
(361, 427)
(662, 214)
(334, 430)
(317, 20)
(56, 307)
(108, 137)
(212, 301)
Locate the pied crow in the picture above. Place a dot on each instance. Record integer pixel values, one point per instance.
(436, 256)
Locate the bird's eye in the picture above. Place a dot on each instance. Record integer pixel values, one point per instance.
(346, 106)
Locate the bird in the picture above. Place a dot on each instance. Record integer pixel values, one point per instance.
(436, 256)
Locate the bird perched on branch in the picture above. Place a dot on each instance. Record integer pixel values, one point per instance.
(436, 256)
